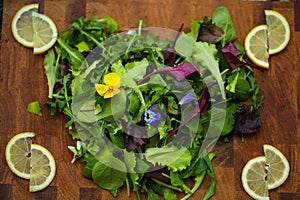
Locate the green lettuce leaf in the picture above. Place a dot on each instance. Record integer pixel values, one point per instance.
(34, 107)
(222, 18)
(50, 70)
(176, 159)
(203, 56)
(107, 177)
(130, 162)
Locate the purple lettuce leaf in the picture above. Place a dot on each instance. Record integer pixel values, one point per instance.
(158, 174)
(247, 120)
(179, 72)
(230, 54)
(210, 33)
(63, 68)
(201, 108)
(134, 136)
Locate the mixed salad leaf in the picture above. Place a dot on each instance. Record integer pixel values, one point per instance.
(145, 110)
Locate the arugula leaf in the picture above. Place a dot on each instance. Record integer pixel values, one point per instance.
(90, 30)
(206, 167)
(82, 46)
(169, 194)
(210, 191)
(111, 24)
(75, 57)
(177, 181)
(90, 163)
(197, 165)
(151, 195)
(222, 18)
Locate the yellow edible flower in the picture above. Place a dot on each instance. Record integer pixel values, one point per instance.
(111, 87)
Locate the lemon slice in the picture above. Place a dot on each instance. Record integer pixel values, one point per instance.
(17, 154)
(22, 25)
(45, 33)
(277, 166)
(254, 178)
(42, 168)
(256, 45)
(278, 30)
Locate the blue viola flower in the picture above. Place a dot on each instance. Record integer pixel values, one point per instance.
(151, 117)
(189, 97)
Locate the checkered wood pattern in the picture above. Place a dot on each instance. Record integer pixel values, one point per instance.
(22, 80)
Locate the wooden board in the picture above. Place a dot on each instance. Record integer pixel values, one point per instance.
(22, 80)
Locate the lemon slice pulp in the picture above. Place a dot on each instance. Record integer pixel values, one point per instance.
(22, 25)
(17, 154)
(265, 173)
(42, 168)
(277, 166)
(30, 161)
(278, 30)
(33, 29)
(44, 33)
(256, 45)
(254, 178)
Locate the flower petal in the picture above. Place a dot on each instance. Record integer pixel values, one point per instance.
(112, 80)
(108, 94)
(151, 117)
(189, 97)
(116, 91)
(101, 89)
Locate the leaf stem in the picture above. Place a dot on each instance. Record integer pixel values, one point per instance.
(127, 186)
(166, 185)
(198, 181)
(137, 195)
(67, 49)
(140, 27)
(91, 37)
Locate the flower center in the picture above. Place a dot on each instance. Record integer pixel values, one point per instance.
(151, 117)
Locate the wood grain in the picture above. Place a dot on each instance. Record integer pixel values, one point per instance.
(22, 80)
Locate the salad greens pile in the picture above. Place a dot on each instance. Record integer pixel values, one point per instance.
(145, 110)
